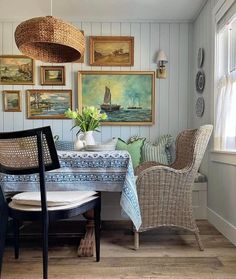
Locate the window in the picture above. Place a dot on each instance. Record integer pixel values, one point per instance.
(225, 118)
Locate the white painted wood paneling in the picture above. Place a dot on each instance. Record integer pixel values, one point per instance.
(164, 100)
(155, 45)
(184, 68)
(171, 110)
(174, 92)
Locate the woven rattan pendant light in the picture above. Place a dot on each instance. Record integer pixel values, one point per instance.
(50, 39)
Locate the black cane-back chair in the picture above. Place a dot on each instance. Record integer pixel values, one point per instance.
(29, 152)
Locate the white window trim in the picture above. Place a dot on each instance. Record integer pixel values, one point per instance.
(218, 156)
(224, 157)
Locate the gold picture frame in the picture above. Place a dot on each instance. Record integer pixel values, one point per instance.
(128, 97)
(16, 70)
(111, 50)
(52, 75)
(12, 100)
(48, 104)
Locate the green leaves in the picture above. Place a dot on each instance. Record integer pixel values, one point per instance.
(88, 120)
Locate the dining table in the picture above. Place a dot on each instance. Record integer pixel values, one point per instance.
(103, 171)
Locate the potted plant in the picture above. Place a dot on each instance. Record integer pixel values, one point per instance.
(88, 120)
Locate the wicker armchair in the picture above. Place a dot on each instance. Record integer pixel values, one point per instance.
(165, 192)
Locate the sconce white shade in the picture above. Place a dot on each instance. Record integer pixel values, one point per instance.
(161, 57)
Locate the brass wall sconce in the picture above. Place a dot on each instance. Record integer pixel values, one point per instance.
(161, 68)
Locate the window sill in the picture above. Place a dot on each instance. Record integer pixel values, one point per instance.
(224, 157)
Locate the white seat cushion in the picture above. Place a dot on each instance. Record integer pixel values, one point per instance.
(24, 207)
(54, 198)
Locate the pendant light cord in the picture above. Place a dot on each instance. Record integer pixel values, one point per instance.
(51, 8)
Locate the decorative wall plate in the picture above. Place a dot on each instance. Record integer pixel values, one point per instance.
(200, 57)
(200, 107)
(200, 81)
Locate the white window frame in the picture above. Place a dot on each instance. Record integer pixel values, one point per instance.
(221, 7)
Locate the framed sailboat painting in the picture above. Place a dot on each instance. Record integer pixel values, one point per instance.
(127, 97)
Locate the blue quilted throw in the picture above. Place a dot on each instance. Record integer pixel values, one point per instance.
(100, 171)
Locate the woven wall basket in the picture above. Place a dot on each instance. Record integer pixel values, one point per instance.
(50, 39)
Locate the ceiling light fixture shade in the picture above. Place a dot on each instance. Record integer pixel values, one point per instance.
(50, 39)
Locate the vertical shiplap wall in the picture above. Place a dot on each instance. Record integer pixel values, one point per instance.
(171, 94)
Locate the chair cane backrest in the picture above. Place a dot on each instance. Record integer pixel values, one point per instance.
(28, 152)
(191, 146)
(19, 151)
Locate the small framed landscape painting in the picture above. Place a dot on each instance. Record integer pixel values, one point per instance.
(52, 75)
(127, 97)
(16, 69)
(111, 51)
(12, 100)
(48, 104)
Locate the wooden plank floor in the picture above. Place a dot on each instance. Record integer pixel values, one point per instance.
(164, 254)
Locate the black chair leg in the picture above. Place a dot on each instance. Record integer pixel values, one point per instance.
(97, 220)
(45, 249)
(3, 231)
(16, 225)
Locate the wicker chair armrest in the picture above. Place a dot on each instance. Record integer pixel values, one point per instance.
(161, 170)
(145, 165)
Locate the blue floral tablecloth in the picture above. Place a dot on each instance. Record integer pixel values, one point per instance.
(101, 171)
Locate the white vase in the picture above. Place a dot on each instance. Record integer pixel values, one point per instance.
(88, 138)
(83, 139)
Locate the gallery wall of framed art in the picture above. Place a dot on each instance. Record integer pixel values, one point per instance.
(147, 38)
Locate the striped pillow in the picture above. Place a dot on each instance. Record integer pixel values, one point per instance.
(158, 151)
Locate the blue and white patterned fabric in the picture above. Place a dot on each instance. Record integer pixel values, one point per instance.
(100, 171)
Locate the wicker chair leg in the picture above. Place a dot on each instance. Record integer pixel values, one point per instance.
(136, 240)
(198, 239)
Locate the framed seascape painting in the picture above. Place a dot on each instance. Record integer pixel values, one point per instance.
(128, 97)
(12, 100)
(52, 75)
(16, 69)
(111, 51)
(48, 104)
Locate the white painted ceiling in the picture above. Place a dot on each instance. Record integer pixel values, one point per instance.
(102, 9)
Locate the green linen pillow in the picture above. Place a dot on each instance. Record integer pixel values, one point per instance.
(134, 149)
(158, 151)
